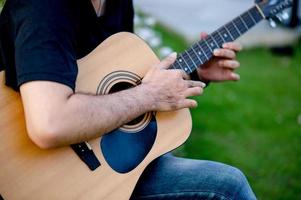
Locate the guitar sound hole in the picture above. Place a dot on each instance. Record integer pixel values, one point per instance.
(123, 86)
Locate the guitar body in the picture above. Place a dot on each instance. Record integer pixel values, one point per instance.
(27, 172)
(120, 62)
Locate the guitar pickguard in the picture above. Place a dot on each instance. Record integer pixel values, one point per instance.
(124, 151)
(125, 148)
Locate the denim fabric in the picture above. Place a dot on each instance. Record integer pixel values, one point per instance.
(170, 177)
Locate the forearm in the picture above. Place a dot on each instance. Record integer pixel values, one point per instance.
(55, 116)
(83, 117)
(90, 116)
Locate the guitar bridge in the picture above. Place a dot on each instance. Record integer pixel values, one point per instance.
(86, 154)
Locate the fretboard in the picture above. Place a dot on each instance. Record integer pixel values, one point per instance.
(202, 51)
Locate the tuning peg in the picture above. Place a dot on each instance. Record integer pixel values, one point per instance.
(273, 23)
(285, 16)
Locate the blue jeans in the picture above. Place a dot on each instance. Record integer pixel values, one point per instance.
(170, 177)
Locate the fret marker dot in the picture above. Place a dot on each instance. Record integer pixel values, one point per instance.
(212, 44)
(186, 69)
(225, 35)
(199, 53)
(180, 60)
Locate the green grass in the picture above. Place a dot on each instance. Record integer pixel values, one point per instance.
(252, 124)
(1, 4)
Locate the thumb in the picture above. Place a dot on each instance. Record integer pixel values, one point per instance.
(166, 62)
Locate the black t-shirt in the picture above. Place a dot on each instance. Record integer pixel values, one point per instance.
(42, 39)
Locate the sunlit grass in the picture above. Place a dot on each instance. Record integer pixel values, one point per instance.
(252, 124)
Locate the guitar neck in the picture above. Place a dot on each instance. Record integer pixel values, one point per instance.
(202, 51)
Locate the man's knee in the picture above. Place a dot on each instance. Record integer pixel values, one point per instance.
(232, 181)
(235, 177)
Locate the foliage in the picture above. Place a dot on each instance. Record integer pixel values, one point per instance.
(1, 3)
(254, 124)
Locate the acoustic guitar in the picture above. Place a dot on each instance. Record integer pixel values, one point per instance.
(107, 167)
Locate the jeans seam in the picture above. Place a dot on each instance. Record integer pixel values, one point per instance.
(225, 197)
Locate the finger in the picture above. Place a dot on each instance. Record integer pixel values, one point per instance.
(225, 53)
(234, 76)
(231, 76)
(187, 103)
(195, 84)
(233, 46)
(204, 35)
(195, 91)
(179, 73)
(165, 63)
(231, 64)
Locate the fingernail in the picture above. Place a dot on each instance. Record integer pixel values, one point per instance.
(235, 76)
(225, 45)
(216, 52)
(203, 84)
(173, 55)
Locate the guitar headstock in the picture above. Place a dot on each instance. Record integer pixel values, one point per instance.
(271, 8)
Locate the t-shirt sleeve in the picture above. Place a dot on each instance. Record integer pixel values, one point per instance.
(45, 43)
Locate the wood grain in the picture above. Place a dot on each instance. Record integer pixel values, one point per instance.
(27, 172)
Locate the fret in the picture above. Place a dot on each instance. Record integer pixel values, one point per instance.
(228, 30)
(213, 38)
(188, 60)
(193, 56)
(181, 62)
(196, 55)
(176, 65)
(236, 28)
(200, 52)
(218, 39)
(252, 18)
(225, 34)
(187, 67)
(247, 17)
(240, 26)
(248, 21)
(231, 28)
(244, 23)
(190, 56)
(212, 43)
(203, 51)
(205, 41)
(221, 36)
(256, 14)
(206, 48)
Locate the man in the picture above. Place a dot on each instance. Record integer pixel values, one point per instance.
(40, 42)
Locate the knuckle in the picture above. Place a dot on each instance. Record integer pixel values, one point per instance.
(221, 63)
(173, 106)
(178, 73)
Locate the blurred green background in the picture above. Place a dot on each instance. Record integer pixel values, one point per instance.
(254, 124)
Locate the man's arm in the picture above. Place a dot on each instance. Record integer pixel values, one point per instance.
(55, 116)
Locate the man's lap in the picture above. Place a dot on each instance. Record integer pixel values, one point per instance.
(170, 177)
